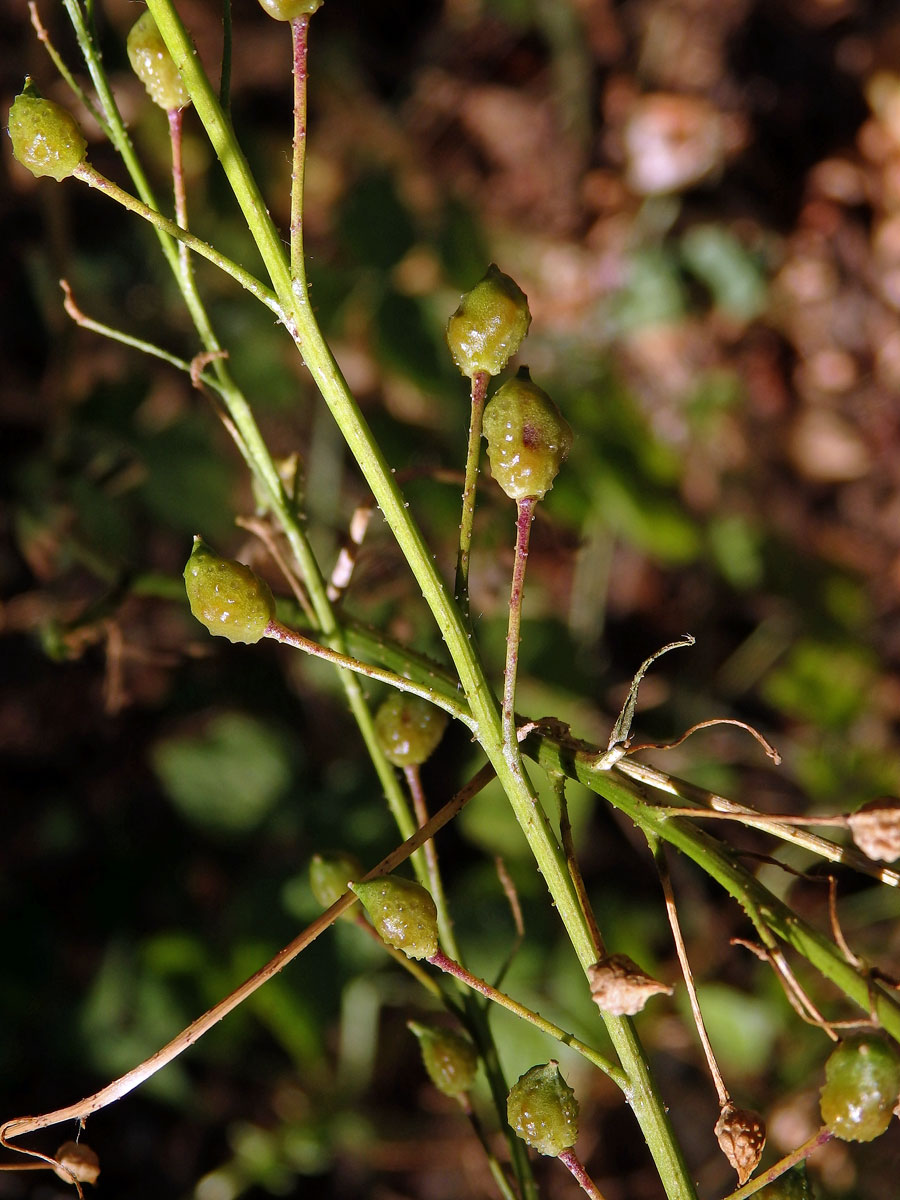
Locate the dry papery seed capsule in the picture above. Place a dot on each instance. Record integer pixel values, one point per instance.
(450, 1059)
(330, 875)
(287, 10)
(402, 912)
(543, 1111)
(862, 1082)
(77, 1161)
(741, 1134)
(45, 136)
(408, 728)
(527, 438)
(490, 324)
(153, 64)
(227, 597)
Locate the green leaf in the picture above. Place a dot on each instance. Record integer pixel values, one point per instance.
(228, 778)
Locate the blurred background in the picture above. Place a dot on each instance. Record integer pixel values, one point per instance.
(701, 199)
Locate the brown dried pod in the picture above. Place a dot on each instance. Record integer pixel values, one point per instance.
(741, 1134)
(876, 828)
(619, 986)
(77, 1161)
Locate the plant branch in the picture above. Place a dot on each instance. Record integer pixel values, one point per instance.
(19, 1126)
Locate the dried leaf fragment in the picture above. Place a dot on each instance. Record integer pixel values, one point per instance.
(741, 1134)
(876, 828)
(77, 1161)
(619, 986)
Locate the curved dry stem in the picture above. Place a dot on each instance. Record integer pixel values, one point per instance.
(19, 1126)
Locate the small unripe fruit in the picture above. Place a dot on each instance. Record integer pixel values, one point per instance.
(450, 1059)
(402, 912)
(490, 324)
(408, 728)
(153, 64)
(330, 875)
(45, 136)
(227, 597)
(287, 10)
(862, 1082)
(527, 438)
(543, 1111)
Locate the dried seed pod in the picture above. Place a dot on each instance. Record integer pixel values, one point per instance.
(330, 875)
(619, 986)
(862, 1082)
(227, 597)
(45, 136)
(153, 64)
(287, 10)
(490, 324)
(402, 912)
(77, 1161)
(409, 728)
(741, 1134)
(543, 1111)
(450, 1058)
(876, 828)
(527, 438)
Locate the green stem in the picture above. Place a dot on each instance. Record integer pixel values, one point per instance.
(435, 882)
(300, 43)
(467, 519)
(524, 517)
(87, 174)
(648, 1106)
(572, 1163)
(444, 963)
(289, 637)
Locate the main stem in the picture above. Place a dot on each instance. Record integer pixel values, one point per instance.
(648, 1106)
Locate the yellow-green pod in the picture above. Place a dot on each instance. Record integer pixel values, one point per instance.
(227, 597)
(45, 136)
(153, 64)
(527, 438)
(402, 912)
(543, 1111)
(330, 875)
(408, 728)
(287, 10)
(490, 324)
(450, 1059)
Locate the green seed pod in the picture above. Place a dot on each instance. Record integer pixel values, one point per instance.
(450, 1058)
(408, 728)
(543, 1111)
(330, 875)
(402, 912)
(862, 1082)
(287, 10)
(153, 64)
(527, 438)
(227, 597)
(45, 136)
(490, 324)
(792, 1185)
